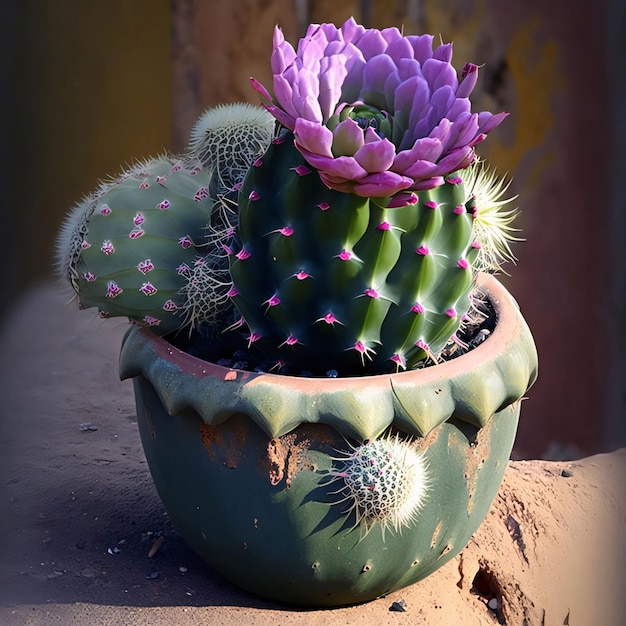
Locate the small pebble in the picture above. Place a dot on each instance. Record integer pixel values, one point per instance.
(566, 473)
(399, 606)
(493, 604)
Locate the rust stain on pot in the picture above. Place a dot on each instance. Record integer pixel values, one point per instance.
(225, 442)
(286, 457)
(433, 541)
(477, 453)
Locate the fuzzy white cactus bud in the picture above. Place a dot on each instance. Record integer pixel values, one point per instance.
(384, 481)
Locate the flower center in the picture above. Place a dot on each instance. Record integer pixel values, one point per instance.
(369, 117)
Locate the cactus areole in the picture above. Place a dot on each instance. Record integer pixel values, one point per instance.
(325, 415)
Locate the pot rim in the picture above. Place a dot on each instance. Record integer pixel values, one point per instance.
(473, 386)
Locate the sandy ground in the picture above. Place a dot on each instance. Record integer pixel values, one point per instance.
(79, 514)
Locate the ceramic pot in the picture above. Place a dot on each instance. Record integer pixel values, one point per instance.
(243, 461)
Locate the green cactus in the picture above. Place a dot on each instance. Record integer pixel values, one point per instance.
(152, 245)
(331, 280)
(129, 248)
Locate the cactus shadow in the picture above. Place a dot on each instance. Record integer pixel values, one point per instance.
(336, 514)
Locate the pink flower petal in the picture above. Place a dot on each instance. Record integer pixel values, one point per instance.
(421, 170)
(402, 199)
(342, 167)
(376, 156)
(347, 138)
(313, 137)
(260, 89)
(381, 185)
(425, 149)
(469, 77)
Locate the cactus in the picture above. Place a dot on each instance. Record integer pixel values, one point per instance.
(339, 231)
(227, 139)
(338, 281)
(383, 481)
(152, 244)
(356, 248)
(128, 248)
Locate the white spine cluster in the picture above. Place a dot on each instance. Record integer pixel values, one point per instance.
(492, 222)
(384, 481)
(71, 235)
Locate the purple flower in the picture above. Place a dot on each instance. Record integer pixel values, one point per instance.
(376, 113)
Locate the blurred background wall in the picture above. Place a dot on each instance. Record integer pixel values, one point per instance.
(85, 89)
(89, 86)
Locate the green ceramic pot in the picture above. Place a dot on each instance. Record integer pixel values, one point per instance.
(242, 461)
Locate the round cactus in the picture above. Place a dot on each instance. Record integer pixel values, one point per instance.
(383, 481)
(333, 280)
(228, 139)
(128, 249)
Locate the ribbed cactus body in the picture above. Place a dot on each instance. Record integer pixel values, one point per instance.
(332, 280)
(143, 236)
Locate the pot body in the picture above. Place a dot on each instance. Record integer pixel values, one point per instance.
(260, 511)
(253, 498)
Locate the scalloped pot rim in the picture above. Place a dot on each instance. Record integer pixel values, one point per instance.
(471, 387)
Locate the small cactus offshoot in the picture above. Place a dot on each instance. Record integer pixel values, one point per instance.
(382, 482)
(227, 139)
(128, 248)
